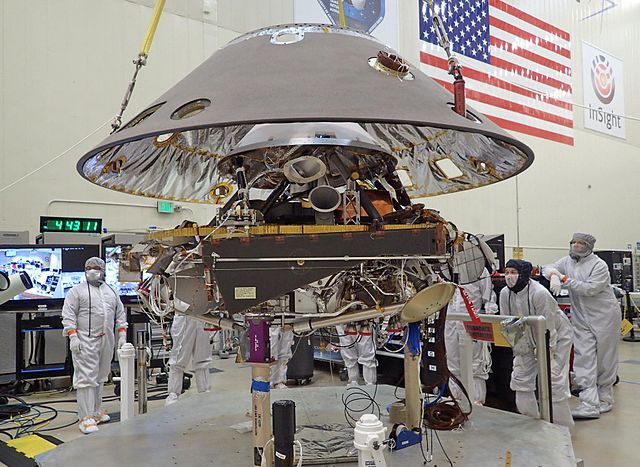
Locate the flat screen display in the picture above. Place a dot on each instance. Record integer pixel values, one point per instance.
(53, 270)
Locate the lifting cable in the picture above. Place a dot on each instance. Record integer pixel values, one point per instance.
(139, 62)
(455, 69)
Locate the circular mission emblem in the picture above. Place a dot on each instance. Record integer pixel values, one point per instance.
(602, 79)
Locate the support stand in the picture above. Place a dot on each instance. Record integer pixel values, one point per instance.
(126, 359)
(260, 361)
(412, 389)
(412, 358)
(261, 413)
(142, 373)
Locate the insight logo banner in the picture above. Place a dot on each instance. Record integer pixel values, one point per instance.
(603, 87)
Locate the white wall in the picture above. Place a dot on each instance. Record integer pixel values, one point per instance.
(65, 66)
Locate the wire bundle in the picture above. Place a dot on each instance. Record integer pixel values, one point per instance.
(40, 416)
(445, 415)
(36, 420)
(357, 402)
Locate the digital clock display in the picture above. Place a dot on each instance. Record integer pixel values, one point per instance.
(70, 224)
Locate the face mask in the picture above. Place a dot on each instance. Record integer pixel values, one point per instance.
(93, 275)
(579, 248)
(511, 279)
(578, 251)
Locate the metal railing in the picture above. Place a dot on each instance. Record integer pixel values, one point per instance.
(539, 328)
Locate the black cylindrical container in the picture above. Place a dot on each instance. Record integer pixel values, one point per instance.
(284, 428)
(300, 366)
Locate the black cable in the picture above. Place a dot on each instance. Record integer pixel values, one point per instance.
(158, 397)
(59, 401)
(339, 346)
(72, 401)
(14, 397)
(31, 348)
(58, 427)
(357, 395)
(421, 448)
(424, 431)
(41, 422)
(38, 356)
(26, 421)
(395, 391)
(442, 447)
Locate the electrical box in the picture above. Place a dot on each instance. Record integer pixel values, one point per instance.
(63, 238)
(496, 243)
(14, 237)
(123, 239)
(620, 263)
(636, 269)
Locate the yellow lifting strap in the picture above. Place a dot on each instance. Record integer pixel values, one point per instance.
(139, 62)
(341, 13)
(153, 25)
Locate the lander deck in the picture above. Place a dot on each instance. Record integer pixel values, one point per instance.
(196, 431)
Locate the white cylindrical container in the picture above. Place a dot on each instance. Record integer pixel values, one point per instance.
(126, 358)
(368, 438)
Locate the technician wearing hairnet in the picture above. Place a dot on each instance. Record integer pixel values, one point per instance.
(281, 352)
(358, 347)
(595, 316)
(483, 297)
(92, 311)
(526, 297)
(190, 343)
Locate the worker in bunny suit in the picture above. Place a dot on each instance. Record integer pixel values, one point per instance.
(92, 315)
(595, 317)
(525, 297)
(191, 343)
(481, 294)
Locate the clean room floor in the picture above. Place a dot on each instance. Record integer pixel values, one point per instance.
(609, 440)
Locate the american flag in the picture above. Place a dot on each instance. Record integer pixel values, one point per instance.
(517, 68)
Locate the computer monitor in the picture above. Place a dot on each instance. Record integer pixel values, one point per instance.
(53, 269)
(124, 286)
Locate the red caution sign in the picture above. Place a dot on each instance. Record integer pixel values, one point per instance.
(479, 331)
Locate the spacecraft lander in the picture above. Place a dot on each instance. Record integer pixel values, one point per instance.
(313, 141)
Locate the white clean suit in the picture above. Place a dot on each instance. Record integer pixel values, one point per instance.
(93, 313)
(595, 316)
(359, 348)
(483, 298)
(191, 343)
(535, 300)
(281, 351)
